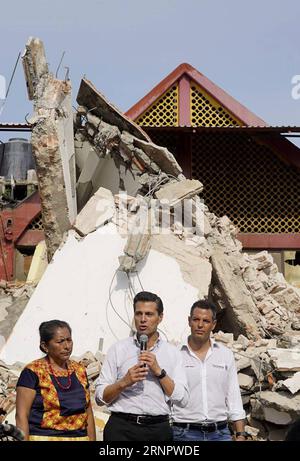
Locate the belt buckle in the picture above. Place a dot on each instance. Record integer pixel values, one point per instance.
(138, 419)
(205, 425)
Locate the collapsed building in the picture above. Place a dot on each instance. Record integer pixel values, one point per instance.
(119, 216)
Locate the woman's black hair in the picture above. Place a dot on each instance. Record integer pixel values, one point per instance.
(47, 330)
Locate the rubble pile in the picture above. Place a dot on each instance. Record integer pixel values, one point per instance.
(269, 379)
(250, 284)
(14, 297)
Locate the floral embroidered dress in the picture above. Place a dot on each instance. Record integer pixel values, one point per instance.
(60, 405)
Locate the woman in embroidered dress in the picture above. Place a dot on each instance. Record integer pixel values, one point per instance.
(53, 399)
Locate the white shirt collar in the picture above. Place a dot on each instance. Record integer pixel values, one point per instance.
(137, 343)
(185, 343)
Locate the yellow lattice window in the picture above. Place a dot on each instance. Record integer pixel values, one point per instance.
(163, 112)
(206, 111)
(247, 182)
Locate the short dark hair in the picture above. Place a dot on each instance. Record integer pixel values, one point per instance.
(48, 329)
(204, 304)
(147, 296)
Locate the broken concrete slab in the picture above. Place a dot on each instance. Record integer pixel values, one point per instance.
(175, 192)
(105, 137)
(242, 362)
(245, 342)
(99, 210)
(89, 97)
(285, 359)
(276, 407)
(245, 381)
(292, 384)
(225, 338)
(160, 155)
(10, 316)
(137, 246)
(138, 241)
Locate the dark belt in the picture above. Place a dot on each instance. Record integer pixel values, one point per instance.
(142, 419)
(203, 427)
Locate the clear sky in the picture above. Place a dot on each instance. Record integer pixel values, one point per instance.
(125, 47)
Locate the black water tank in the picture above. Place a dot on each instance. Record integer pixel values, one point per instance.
(17, 159)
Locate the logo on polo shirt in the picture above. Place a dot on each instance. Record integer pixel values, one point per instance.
(223, 367)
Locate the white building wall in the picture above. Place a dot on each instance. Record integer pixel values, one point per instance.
(76, 287)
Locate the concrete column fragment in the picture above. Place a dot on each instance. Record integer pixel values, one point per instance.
(52, 143)
(138, 242)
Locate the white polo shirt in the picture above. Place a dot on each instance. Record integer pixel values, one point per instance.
(213, 387)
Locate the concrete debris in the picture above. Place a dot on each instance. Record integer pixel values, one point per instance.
(243, 316)
(138, 241)
(175, 192)
(292, 384)
(242, 362)
(269, 406)
(52, 144)
(277, 408)
(288, 298)
(285, 359)
(13, 300)
(161, 156)
(98, 211)
(262, 260)
(245, 381)
(89, 97)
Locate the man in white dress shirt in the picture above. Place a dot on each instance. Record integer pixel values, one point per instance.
(214, 391)
(139, 387)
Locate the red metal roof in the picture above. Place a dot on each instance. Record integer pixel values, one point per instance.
(181, 73)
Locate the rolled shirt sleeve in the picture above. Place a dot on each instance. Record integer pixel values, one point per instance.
(108, 375)
(180, 394)
(233, 399)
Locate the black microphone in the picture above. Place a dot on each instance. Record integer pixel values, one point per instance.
(12, 431)
(143, 344)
